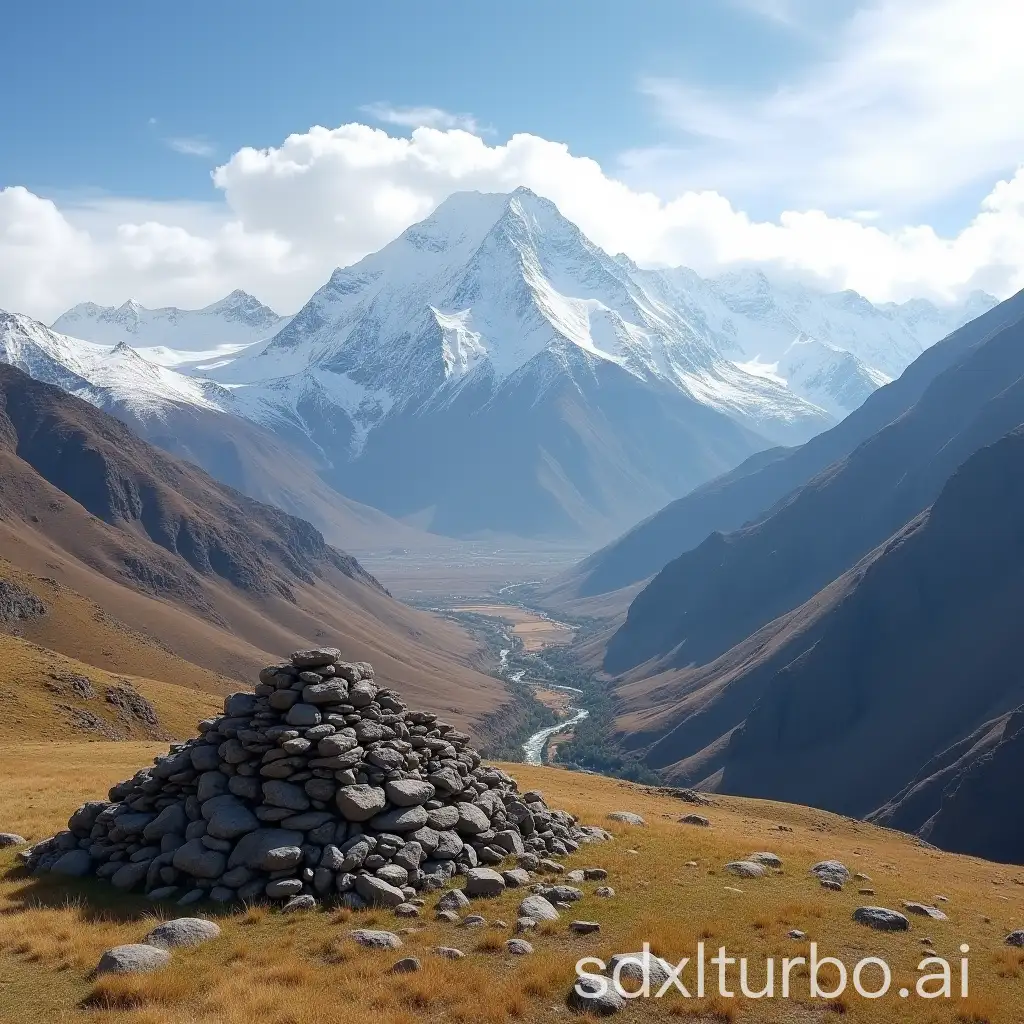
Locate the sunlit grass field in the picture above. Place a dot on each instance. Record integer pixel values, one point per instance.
(304, 969)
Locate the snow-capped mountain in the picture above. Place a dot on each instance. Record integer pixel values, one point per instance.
(492, 370)
(172, 336)
(804, 337)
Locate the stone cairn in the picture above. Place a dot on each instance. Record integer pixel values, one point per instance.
(319, 785)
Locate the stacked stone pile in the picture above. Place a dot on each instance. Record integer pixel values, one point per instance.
(319, 784)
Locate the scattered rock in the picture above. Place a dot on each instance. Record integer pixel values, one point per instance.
(594, 995)
(745, 869)
(407, 965)
(1015, 938)
(632, 966)
(923, 910)
(449, 952)
(626, 817)
(183, 931)
(373, 939)
(881, 919)
(526, 924)
(473, 921)
(453, 899)
(447, 915)
(833, 870)
(538, 908)
(795, 933)
(832, 884)
(484, 882)
(516, 878)
(695, 819)
(605, 892)
(865, 892)
(518, 947)
(8, 839)
(769, 860)
(135, 958)
(299, 903)
(584, 927)
(407, 910)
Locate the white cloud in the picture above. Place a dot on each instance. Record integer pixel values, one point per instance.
(421, 117)
(914, 101)
(326, 197)
(190, 145)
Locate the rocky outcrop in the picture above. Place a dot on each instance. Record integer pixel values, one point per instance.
(317, 784)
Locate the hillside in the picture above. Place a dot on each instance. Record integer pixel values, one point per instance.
(732, 584)
(670, 889)
(926, 632)
(223, 581)
(747, 493)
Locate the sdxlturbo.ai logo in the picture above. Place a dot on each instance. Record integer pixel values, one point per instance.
(820, 977)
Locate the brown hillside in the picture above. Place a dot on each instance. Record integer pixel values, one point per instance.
(208, 574)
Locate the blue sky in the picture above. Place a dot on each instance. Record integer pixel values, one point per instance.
(114, 85)
(167, 151)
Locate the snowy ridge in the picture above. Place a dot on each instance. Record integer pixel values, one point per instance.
(172, 336)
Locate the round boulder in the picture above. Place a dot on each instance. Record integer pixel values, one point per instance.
(881, 919)
(360, 802)
(183, 931)
(135, 958)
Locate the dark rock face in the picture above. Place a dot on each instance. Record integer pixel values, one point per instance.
(921, 651)
(267, 804)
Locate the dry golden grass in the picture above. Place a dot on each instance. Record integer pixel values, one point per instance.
(305, 970)
(29, 702)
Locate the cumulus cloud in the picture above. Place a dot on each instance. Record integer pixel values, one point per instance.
(326, 197)
(911, 102)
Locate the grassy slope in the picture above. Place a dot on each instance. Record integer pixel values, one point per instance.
(303, 970)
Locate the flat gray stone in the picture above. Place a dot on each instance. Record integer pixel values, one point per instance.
(881, 919)
(518, 947)
(538, 908)
(360, 802)
(183, 931)
(449, 952)
(453, 899)
(227, 817)
(281, 888)
(768, 860)
(373, 939)
(626, 817)
(695, 819)
(316, 657)
(376, 890)
(400, 819)
(484, 882)
(472, 820)
(409, 793)
(197, 860)
(268, 849)
(923, 910)
(278, 793)
(407, 965)
(299, 903)
(516, 878)
(73, 864)
(585, 927)
(135, 958)
(745, 869)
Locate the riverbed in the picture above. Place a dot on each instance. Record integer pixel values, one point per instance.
(534, 632)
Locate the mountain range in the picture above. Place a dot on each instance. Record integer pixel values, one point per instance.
(845, 633)
(127, 559)
(490, 371)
